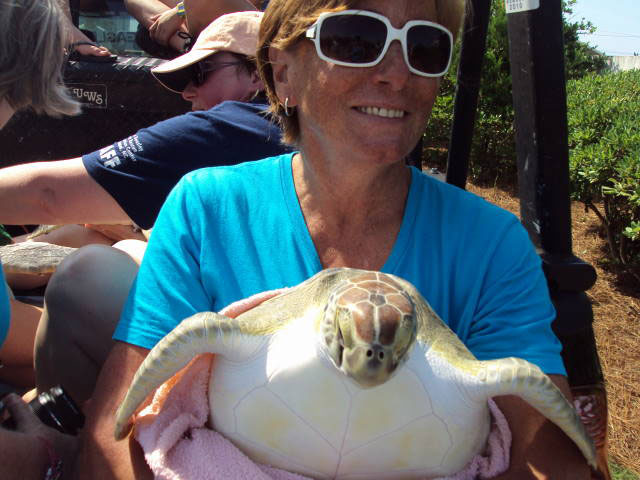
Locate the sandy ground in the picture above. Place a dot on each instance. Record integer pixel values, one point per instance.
(616, 306)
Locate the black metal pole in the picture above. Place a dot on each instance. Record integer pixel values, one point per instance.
(536, 52)
(474, 41)
(537, 71)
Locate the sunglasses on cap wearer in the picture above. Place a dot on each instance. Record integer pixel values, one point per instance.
(204, 67)
(358, 38)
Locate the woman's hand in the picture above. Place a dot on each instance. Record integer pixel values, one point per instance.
(25, 420)
(41, 438)
(164, 25)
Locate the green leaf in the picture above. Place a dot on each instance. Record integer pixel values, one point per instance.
(5, 238)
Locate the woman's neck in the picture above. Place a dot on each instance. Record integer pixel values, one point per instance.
(353, 214)
(350, 185)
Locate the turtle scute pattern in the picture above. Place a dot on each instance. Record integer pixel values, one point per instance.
(378, 328)
(378, 306)
(284, 385)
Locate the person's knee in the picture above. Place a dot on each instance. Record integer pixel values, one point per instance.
(89, 274)
(83, 302)
(85, 296)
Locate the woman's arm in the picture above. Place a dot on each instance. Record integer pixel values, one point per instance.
(54, 193)
(539, 449)
(100, 455)
(200, 13)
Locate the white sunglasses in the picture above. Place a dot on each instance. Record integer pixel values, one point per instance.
(359, 38)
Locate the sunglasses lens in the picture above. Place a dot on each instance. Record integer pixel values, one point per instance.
(429, 49)
(197, 75)
(352, 38)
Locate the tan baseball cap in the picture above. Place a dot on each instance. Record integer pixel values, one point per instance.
(234, 32)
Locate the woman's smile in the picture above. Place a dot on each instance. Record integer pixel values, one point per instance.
(390, 113)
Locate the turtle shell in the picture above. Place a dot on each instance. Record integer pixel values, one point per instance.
(279, 394)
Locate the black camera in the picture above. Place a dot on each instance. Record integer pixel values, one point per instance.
(56, 409)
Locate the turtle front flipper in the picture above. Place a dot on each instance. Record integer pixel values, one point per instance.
(33, 258)
(515, 376)
(205, 332)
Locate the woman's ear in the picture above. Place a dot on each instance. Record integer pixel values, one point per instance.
(256, 82)
(280, 64)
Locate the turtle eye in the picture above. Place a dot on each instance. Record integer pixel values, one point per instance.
(340, 338)
(407, 321)
(340, 347)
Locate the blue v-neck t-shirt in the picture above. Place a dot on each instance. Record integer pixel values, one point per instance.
(226, 233)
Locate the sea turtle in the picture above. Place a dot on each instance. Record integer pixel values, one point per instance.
(349, 375)
(33, 258)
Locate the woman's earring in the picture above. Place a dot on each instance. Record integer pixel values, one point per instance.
(288, 112)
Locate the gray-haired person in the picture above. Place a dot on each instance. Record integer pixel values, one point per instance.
(32, 41)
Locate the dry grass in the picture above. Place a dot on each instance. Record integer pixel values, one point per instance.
(616, 307)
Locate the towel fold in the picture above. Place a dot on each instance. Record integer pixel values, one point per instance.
(178, 445)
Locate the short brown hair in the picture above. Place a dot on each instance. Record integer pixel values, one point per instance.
(32, 42)
(285, 23)
(247, 63)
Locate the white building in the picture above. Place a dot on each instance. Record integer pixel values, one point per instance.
(619, 64)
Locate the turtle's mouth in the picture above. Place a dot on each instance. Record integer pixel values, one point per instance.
(369, 365)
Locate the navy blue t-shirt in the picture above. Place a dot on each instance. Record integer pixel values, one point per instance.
(140, 171)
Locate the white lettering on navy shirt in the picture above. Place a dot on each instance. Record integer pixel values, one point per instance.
(109, 157)
(121, 152)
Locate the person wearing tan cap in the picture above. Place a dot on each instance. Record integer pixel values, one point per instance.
(127, 182)
(219, 68)
(221, 64)
(130, 179)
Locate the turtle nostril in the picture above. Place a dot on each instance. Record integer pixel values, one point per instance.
(375, 353)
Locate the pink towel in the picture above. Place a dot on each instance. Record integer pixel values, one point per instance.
(178, 445)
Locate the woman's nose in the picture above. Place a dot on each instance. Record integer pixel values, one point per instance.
(393, 69)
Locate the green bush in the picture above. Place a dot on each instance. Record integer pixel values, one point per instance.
(604, 142)
(493, 152)
(493, 146)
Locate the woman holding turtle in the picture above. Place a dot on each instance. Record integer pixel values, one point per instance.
(353, 83)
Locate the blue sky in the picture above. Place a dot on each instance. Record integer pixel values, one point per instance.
(618, 23)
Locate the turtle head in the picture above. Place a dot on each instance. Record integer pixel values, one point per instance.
(369, 327)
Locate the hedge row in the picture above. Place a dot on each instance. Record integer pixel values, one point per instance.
(493, 148)
(604, 143)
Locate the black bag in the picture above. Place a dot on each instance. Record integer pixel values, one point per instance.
(118, 99)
